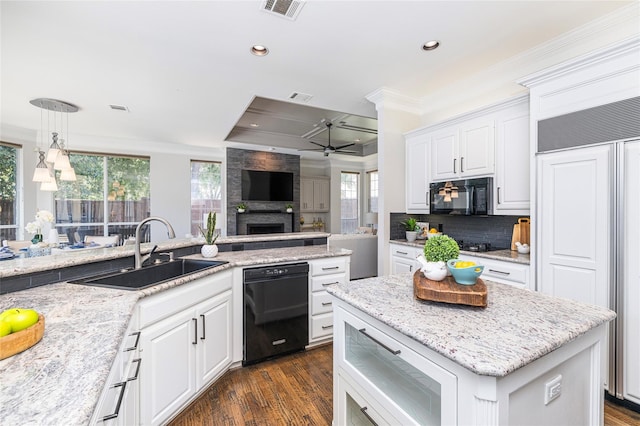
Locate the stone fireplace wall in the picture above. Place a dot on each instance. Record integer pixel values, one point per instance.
(260, 211)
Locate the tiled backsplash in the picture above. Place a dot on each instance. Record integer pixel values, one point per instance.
(495, 230)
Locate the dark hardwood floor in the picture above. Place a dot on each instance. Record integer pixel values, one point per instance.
(294, 390)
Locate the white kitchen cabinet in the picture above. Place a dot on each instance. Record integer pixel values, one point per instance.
(512, 177)
(314, 194)
(185, 344)
(417, 176)
(403, 258)
(118, 404)
(397, 385)
(512, 273)
(323, 273)
(463, 150)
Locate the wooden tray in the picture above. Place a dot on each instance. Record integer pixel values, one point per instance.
(448, 291)
(21, 340)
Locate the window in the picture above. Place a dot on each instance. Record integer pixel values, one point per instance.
(372, 177)
(110, 197)
(206, 193)
(349, 212)
(8, 191)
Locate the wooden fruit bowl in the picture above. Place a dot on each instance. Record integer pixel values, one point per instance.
(21, 340)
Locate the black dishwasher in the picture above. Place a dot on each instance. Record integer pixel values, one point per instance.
(276, 311)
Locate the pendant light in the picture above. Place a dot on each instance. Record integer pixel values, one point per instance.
(50, 185)
(56, 153)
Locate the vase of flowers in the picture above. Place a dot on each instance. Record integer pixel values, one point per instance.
(209, 249)
(43, 218)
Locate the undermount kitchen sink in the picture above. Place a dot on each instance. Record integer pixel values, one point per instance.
(137, 279)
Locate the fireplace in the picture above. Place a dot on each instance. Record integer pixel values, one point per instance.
(265, 228)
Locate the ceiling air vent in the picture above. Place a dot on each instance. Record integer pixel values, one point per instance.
(119, 107)
(300, 97)
(284, 8)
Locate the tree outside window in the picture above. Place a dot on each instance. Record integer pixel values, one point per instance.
(349, 205)
(110, 196)
(206, 193)
(8, 191)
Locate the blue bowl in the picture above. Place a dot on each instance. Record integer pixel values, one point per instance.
(464, 276)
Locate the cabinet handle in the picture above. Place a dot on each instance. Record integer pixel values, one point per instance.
(363, 410)
(328, 284)
(328, 268)
(410, 268)
(135, 345)
(195, 332)
(461, 164)
(203, 330)
(426, 200)
(122, 386)
(326, 303)
(402, 252)
(498, 195)
(135, 376)
(454, 165)
(325, 327)
(499, 272)
(364, 331)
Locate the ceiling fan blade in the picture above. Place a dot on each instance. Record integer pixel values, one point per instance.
(345, 151)
(312, 149)
(344, 146)
(316, 143)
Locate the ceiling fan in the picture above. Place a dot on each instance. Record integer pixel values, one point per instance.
(330, 149)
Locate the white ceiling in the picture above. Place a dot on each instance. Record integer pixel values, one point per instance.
(184, 69)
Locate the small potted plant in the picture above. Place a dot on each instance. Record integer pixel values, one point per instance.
(289, 208)
(209, 249)
(411, 226)
(242, 207)
(437, 251)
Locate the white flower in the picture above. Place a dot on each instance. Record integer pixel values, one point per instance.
(44, 216)
(33, 227)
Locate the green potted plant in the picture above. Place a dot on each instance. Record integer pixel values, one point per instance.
(209, 249)
(411, 227)
(242, 207)
(437, 251)
(289, 208)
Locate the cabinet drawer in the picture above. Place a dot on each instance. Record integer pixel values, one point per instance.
(503, 272)
(321, 325)
(321, 303)
(319, 283)
(327, 266)
(405, 252)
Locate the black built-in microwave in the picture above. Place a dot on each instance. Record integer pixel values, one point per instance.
(462, 197)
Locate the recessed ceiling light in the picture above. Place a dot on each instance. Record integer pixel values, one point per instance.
(259, 50)
(431, 45)
(254, 125)
(356, 140)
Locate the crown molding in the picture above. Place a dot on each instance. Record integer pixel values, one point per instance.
(387, 98)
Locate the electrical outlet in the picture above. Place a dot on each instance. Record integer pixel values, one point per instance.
(552, 389)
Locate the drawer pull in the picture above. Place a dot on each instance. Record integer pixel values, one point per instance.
(195, 331)
(363, 410)
(135, 376)
(203, 331)
(329, 268)
(325, 327)
(135, 345)
(499, 272)
(402, 252)
(326, 303)
(328, 284)
(122, 386)
(364, 331)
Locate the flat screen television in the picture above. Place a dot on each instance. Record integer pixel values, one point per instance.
(267, 186)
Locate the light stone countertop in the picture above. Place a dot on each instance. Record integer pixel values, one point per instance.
(504, 255)
(516, 328)
(59, 380)
(66, 258)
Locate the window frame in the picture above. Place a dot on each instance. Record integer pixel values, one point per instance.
(220, 216)
(18, 200)
(358, 198)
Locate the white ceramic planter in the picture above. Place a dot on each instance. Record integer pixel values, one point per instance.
(209, 250)
(240, 210)
(289, 210)
(411, 235)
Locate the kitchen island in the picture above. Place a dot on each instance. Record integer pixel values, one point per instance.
(527, 358)
(60, 380)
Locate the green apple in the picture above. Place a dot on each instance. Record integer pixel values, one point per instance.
(5, 328)
(8, 312)
(21, 319)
